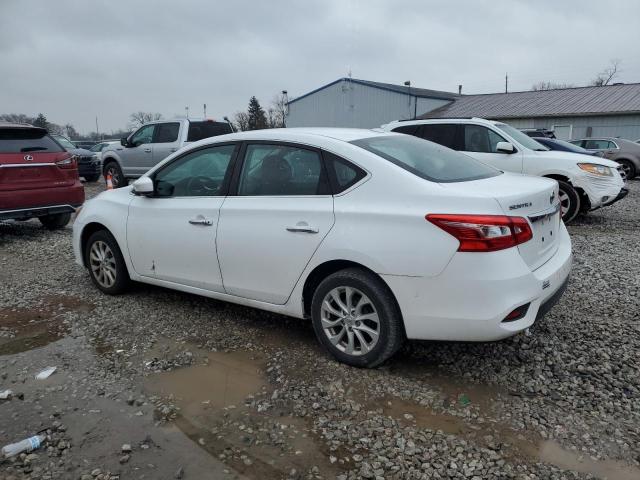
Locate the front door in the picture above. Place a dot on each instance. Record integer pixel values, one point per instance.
(172, 235)
(137, 158)
(481, 143)
(271, 228)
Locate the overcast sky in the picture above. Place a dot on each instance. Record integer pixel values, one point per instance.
(73, 60)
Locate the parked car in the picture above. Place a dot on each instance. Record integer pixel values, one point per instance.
(89, 165)
(539, 132)
(625, 152)
(38, 178)
(152, 143)
(586, 183)
(86, 144)
(375, 236)
(99, 147)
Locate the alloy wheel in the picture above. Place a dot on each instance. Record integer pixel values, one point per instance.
(350, 320)
(626, 170)
(565, 202)
(103, 264)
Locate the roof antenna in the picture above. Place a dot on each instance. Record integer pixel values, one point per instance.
(205, 111)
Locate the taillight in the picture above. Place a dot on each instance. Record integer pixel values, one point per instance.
(484, 233)
(69, 162)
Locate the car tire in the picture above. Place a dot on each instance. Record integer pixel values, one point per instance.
(56, 221)
(366, 297)
(629, 169)
(117, 177)
(106, 265)
(92, 178)
(569, 200)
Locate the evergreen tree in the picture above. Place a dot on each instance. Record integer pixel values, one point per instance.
(257, 118)
(41, 121)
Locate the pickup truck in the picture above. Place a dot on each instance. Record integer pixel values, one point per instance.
(152, 143)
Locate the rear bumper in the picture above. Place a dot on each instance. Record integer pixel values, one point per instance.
(470, 299)
(22, 204)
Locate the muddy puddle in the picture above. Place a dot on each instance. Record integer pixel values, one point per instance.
(23, 329)
(212, 396)
(515, 446)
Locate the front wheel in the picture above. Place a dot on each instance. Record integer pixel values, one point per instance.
(628, 168)
(117, 177)
(55, 222)
(356, 318)
(569, 201)
(106, 264)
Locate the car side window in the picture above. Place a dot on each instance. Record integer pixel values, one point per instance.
(166, 132)
(279, 170)
(481, 139)
(197, 174)
(611, 146)
(444, 135)
(142, 136)
(345, 173)
(407, 129)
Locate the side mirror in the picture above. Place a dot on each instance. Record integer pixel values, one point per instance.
(124, 142)
(143, 186)
(505, 147)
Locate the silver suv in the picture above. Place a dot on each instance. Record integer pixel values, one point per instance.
(152, 143)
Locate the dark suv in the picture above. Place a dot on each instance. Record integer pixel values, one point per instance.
(38, 178)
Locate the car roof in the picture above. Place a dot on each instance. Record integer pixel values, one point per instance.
(476, 120)
(299, 133)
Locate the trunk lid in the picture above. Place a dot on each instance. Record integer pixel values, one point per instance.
(534, 198)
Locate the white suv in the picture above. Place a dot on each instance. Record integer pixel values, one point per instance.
(586, 182)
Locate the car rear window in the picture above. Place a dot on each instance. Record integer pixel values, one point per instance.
(19, 140)
(200, 130)
(426, 159)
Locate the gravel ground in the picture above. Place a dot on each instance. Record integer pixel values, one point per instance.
(160, 384)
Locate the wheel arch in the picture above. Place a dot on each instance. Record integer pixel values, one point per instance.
(323, 270)
(88, 230)
(110, 159)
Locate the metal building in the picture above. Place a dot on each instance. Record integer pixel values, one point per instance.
(348, 102)
(612, 110)
(609, 111)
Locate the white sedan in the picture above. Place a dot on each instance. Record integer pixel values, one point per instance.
(374, 236)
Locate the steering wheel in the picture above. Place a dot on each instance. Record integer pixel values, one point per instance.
(201, 185)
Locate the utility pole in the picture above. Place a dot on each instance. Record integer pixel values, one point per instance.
(506, 83)
(285, 104)
(97, 129)
(205, 111)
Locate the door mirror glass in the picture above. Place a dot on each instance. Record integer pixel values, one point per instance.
(143, 186)
(505, 147)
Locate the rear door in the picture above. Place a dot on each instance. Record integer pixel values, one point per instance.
(165, 140)
(28, 159)
(271, 227)
(481, 143)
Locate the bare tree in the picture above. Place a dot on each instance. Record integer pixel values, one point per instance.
(550, 86)
(242, 121)
(16, 118)
(607, 75)
(138, 119)
(277, 113)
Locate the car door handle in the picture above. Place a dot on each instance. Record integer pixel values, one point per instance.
(201, 221)
(303, 228)
(148, 150)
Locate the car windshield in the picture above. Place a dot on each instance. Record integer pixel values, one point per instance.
(426, 159)
(522, 138)
(65, 143)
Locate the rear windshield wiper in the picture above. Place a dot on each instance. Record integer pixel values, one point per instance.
(33, 149)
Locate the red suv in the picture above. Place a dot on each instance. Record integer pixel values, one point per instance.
(38, 178)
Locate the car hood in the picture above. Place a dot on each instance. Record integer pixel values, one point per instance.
(81, 152)
(576, 157)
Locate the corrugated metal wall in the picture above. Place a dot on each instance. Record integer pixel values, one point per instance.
(348, 104)
(624, 126)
